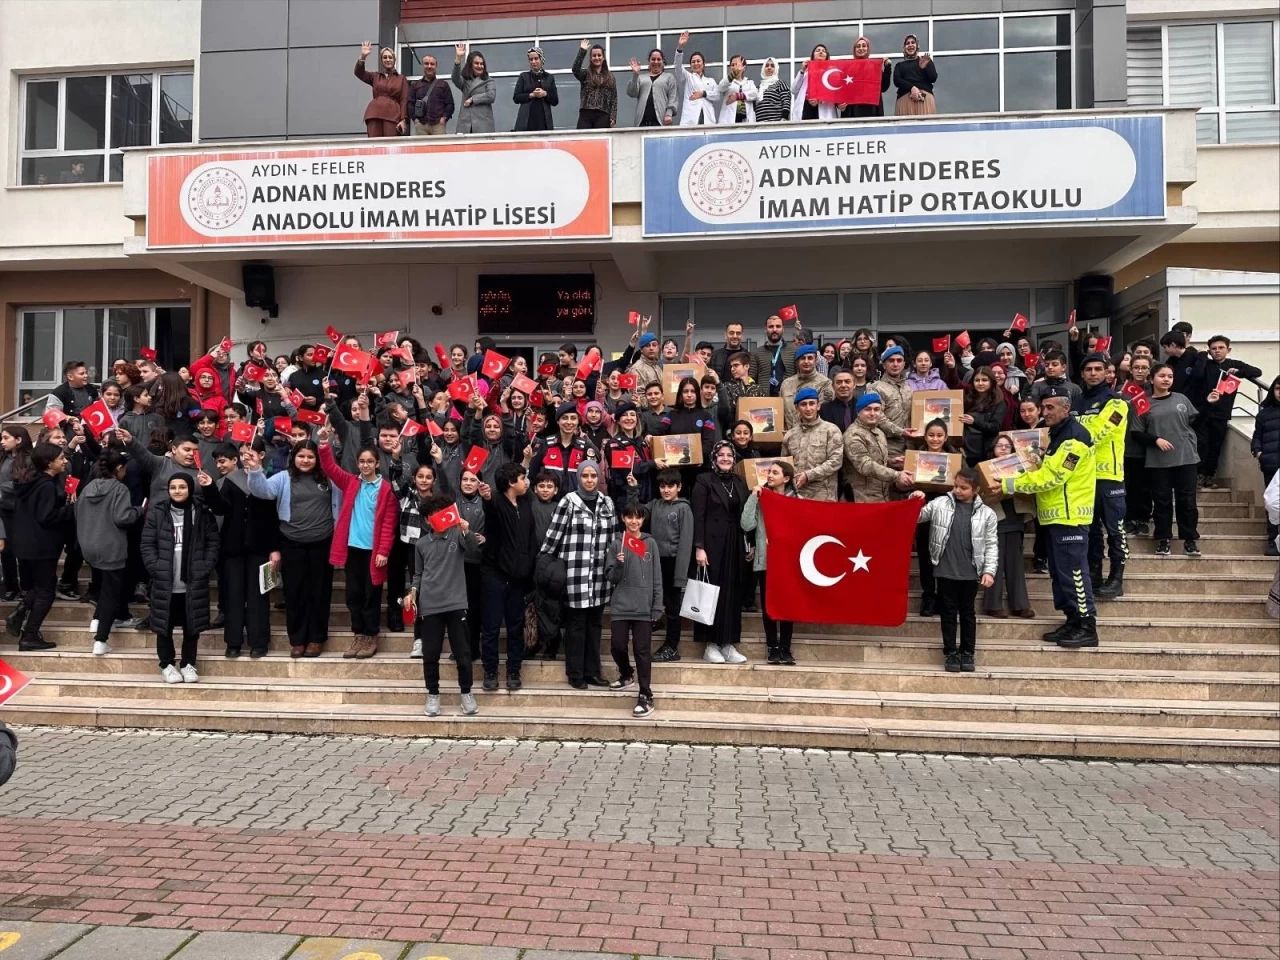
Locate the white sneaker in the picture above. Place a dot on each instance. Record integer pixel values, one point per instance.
(189, 674)
(101, 648)
(469, 708)
(433, 705)
(712, 654)
(93, 625)
(731, 654)
(416, 653)
(171, 674)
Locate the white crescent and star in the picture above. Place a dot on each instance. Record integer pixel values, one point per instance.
(826, 78)
(810, 570)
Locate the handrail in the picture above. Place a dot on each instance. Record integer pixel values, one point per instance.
(42, 400)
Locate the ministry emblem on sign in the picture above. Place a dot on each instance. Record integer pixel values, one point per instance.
(720, 182)
(217, 197)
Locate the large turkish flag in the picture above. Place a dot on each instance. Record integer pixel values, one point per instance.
(845, 81)
(855, 570)
(352, 360)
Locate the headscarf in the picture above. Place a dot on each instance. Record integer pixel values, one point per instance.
(855, 47)
(767, 82)
(541, 59)
(715, 450)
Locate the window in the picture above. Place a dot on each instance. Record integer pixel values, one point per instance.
(75, 127)
(986, 63)
(50, 336)
(1226, 69)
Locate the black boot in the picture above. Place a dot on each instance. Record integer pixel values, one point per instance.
(1113, 587)
(928, 606)
(784, 651)
(14, 622)
(1053, 636)
(1084, 635)
(775, 655)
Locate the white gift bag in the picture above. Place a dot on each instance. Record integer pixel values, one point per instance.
(700, 599)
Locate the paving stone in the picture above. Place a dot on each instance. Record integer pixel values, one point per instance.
(336, 948)
(21, 940)
(216, 945)
(568, 955)
(462, 951)
(125, 943)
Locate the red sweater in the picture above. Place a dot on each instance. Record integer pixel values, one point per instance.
(385, 517)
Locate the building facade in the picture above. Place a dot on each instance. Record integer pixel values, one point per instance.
(163, 145)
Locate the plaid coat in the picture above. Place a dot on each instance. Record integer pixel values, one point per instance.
(580, 537)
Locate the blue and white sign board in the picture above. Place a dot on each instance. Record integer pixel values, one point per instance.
(856, 176)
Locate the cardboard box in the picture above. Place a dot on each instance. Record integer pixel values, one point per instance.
(673, 373)
(1029, 444)
(934, 472)
(753, 470)
(765, 416)
(945, 405)
(678, 449)
(1001, 468)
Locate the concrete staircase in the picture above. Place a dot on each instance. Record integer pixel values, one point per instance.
(1188, 669)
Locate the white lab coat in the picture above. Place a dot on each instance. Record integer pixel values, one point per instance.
(826, 111)
(729, 111)
(702, 110)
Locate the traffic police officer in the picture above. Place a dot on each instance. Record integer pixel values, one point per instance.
(1064, 489)
(1106, 416)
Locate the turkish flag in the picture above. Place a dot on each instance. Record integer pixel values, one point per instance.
(1228, 383)
(320, 355)
(962, 339)
(942, 344)
(635, 545)
(1132, 388)
(1141, 405)
(97, 417)
(462, 390)
(242, 432)
(536, 399)
(475, 459)
(628, 381)
(253, 372)
(789, 313)
(257, 406)
(71, 485)
(434, 428)
(622, 459)
(1019, 323)
(442, 520)
(51, 418)
(411, 428)
(313, 417)
(385, 339)
(525, 385)
(1103, 345)
(1071, 320)
(226, 344)
(148, 353)
(1030, 361)
(11, 681)
(296, 397)
(633, 317)
(332, 333)
(281, 424)
(547, 369)
(195, 458)
(352, 360)
(839, 562)
(494, 364)
(442, 355)
(845, 81)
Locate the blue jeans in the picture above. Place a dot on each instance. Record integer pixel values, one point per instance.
(503, 601)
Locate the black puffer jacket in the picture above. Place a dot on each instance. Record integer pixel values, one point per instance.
(36, 527)
(200, 547)
(1266, 435)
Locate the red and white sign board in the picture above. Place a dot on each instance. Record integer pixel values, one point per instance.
(401, 192)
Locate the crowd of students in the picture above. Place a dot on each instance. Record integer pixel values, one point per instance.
(684, 96)
(462, 492)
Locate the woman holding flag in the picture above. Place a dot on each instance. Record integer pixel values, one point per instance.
(804, 107)
(862, 51)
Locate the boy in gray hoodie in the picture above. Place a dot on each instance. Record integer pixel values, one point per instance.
(103, 514)
(631, 565)
(671, 525)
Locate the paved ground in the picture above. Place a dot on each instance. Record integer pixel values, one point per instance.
(421, 847)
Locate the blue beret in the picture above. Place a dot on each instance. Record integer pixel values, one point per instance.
(892, 352)
(648, 338)
(868, 398)
(805, 349)
(806, 393)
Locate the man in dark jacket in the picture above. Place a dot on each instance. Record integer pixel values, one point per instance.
(1211, 425)
(430, 101)
(721, 356)
(775, 359)
(248, 540)
(75, 392)
(510, 547)
(841, 410)
(1190, 377)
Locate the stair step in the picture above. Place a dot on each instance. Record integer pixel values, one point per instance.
(671, 725)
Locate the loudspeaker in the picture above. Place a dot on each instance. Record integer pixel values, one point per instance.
(259, 285)
(1094, 295)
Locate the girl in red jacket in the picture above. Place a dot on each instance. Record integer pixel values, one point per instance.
(362, 539)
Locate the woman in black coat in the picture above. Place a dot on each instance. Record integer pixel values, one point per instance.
(536, 93)
(1266, 447)
(35, 524)
(250, 537)
(720, 551)
(180, 552)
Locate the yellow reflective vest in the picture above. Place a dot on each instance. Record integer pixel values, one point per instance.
(1108, 426)
(1064, 481)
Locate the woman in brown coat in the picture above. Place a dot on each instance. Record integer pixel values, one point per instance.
(385, 115)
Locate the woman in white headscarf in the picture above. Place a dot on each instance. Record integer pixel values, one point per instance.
(802, 107)
(775, 96)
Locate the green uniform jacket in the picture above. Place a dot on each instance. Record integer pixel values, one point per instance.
(1064, 482)
(1108, 428)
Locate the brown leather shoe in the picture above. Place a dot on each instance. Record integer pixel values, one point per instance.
(296, 650)
(1027, 614)
(313, 650)
(357, 643)
(1000, 614)
(368, 649)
